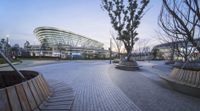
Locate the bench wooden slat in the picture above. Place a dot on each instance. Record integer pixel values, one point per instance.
(22, 97)
(39, 92)
(13, 99)
(34, 92)
(42, 88)
(29, 96)
(198, 80)
(46, 86)
(4, 105)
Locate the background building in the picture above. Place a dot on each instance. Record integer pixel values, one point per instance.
(164, 51)
(60, 43)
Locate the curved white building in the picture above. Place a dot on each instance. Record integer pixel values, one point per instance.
(55, 36)
(67, 44)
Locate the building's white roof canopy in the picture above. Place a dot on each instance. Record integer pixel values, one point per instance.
(55, 36)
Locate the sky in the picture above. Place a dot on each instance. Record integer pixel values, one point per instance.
(85, 17)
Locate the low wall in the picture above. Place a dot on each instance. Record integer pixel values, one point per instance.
(16, 95)
(185, 81)
(187, 77)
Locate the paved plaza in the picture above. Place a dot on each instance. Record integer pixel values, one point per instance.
(99, 86)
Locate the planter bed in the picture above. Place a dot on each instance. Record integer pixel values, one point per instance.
(128, 65)
(128, 68)
(184, 80)
(34, 94)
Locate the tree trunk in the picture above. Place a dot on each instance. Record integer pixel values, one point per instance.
(173, 52)
(128, 50)
(195, 45)
(185, 58)
(60, 54)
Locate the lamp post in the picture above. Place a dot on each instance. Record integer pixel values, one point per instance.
(110, 49)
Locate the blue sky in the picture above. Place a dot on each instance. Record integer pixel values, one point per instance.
(20, 17)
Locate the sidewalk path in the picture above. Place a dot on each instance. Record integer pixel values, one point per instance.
(30, 63)
(100, 87)
(149, 92)
(93, 87)
(7, 65)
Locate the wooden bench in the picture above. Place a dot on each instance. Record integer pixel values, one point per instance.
(185, 81)
(37, 95)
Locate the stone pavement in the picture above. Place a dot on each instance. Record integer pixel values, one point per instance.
(94, 91)
(7, 65)
(30, 63)
(61, 97)
(99, 86)
(149, 92)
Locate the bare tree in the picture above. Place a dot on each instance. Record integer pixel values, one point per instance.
(5, 47)
(15, 51)
(27, 45)
(169, 41)
(193, 6)
(142, 47)
(125, 18)
(118, 44)
(180, 19)
(184, 49)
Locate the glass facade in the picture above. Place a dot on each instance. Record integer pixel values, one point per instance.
(55, 36)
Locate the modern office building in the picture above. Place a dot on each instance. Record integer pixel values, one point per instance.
(57, 42)
(166, 49)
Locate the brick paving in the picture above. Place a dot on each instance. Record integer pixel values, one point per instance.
(149, 92)
(94, 90)
(100, 87)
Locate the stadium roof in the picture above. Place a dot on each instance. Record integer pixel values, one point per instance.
(55, 36)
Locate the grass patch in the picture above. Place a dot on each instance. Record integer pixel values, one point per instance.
(2, 61)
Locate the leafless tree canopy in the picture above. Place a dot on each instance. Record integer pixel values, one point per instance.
(142, 46)
(125, 18)
(166, 39)
(181, 19)
(118, 44)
